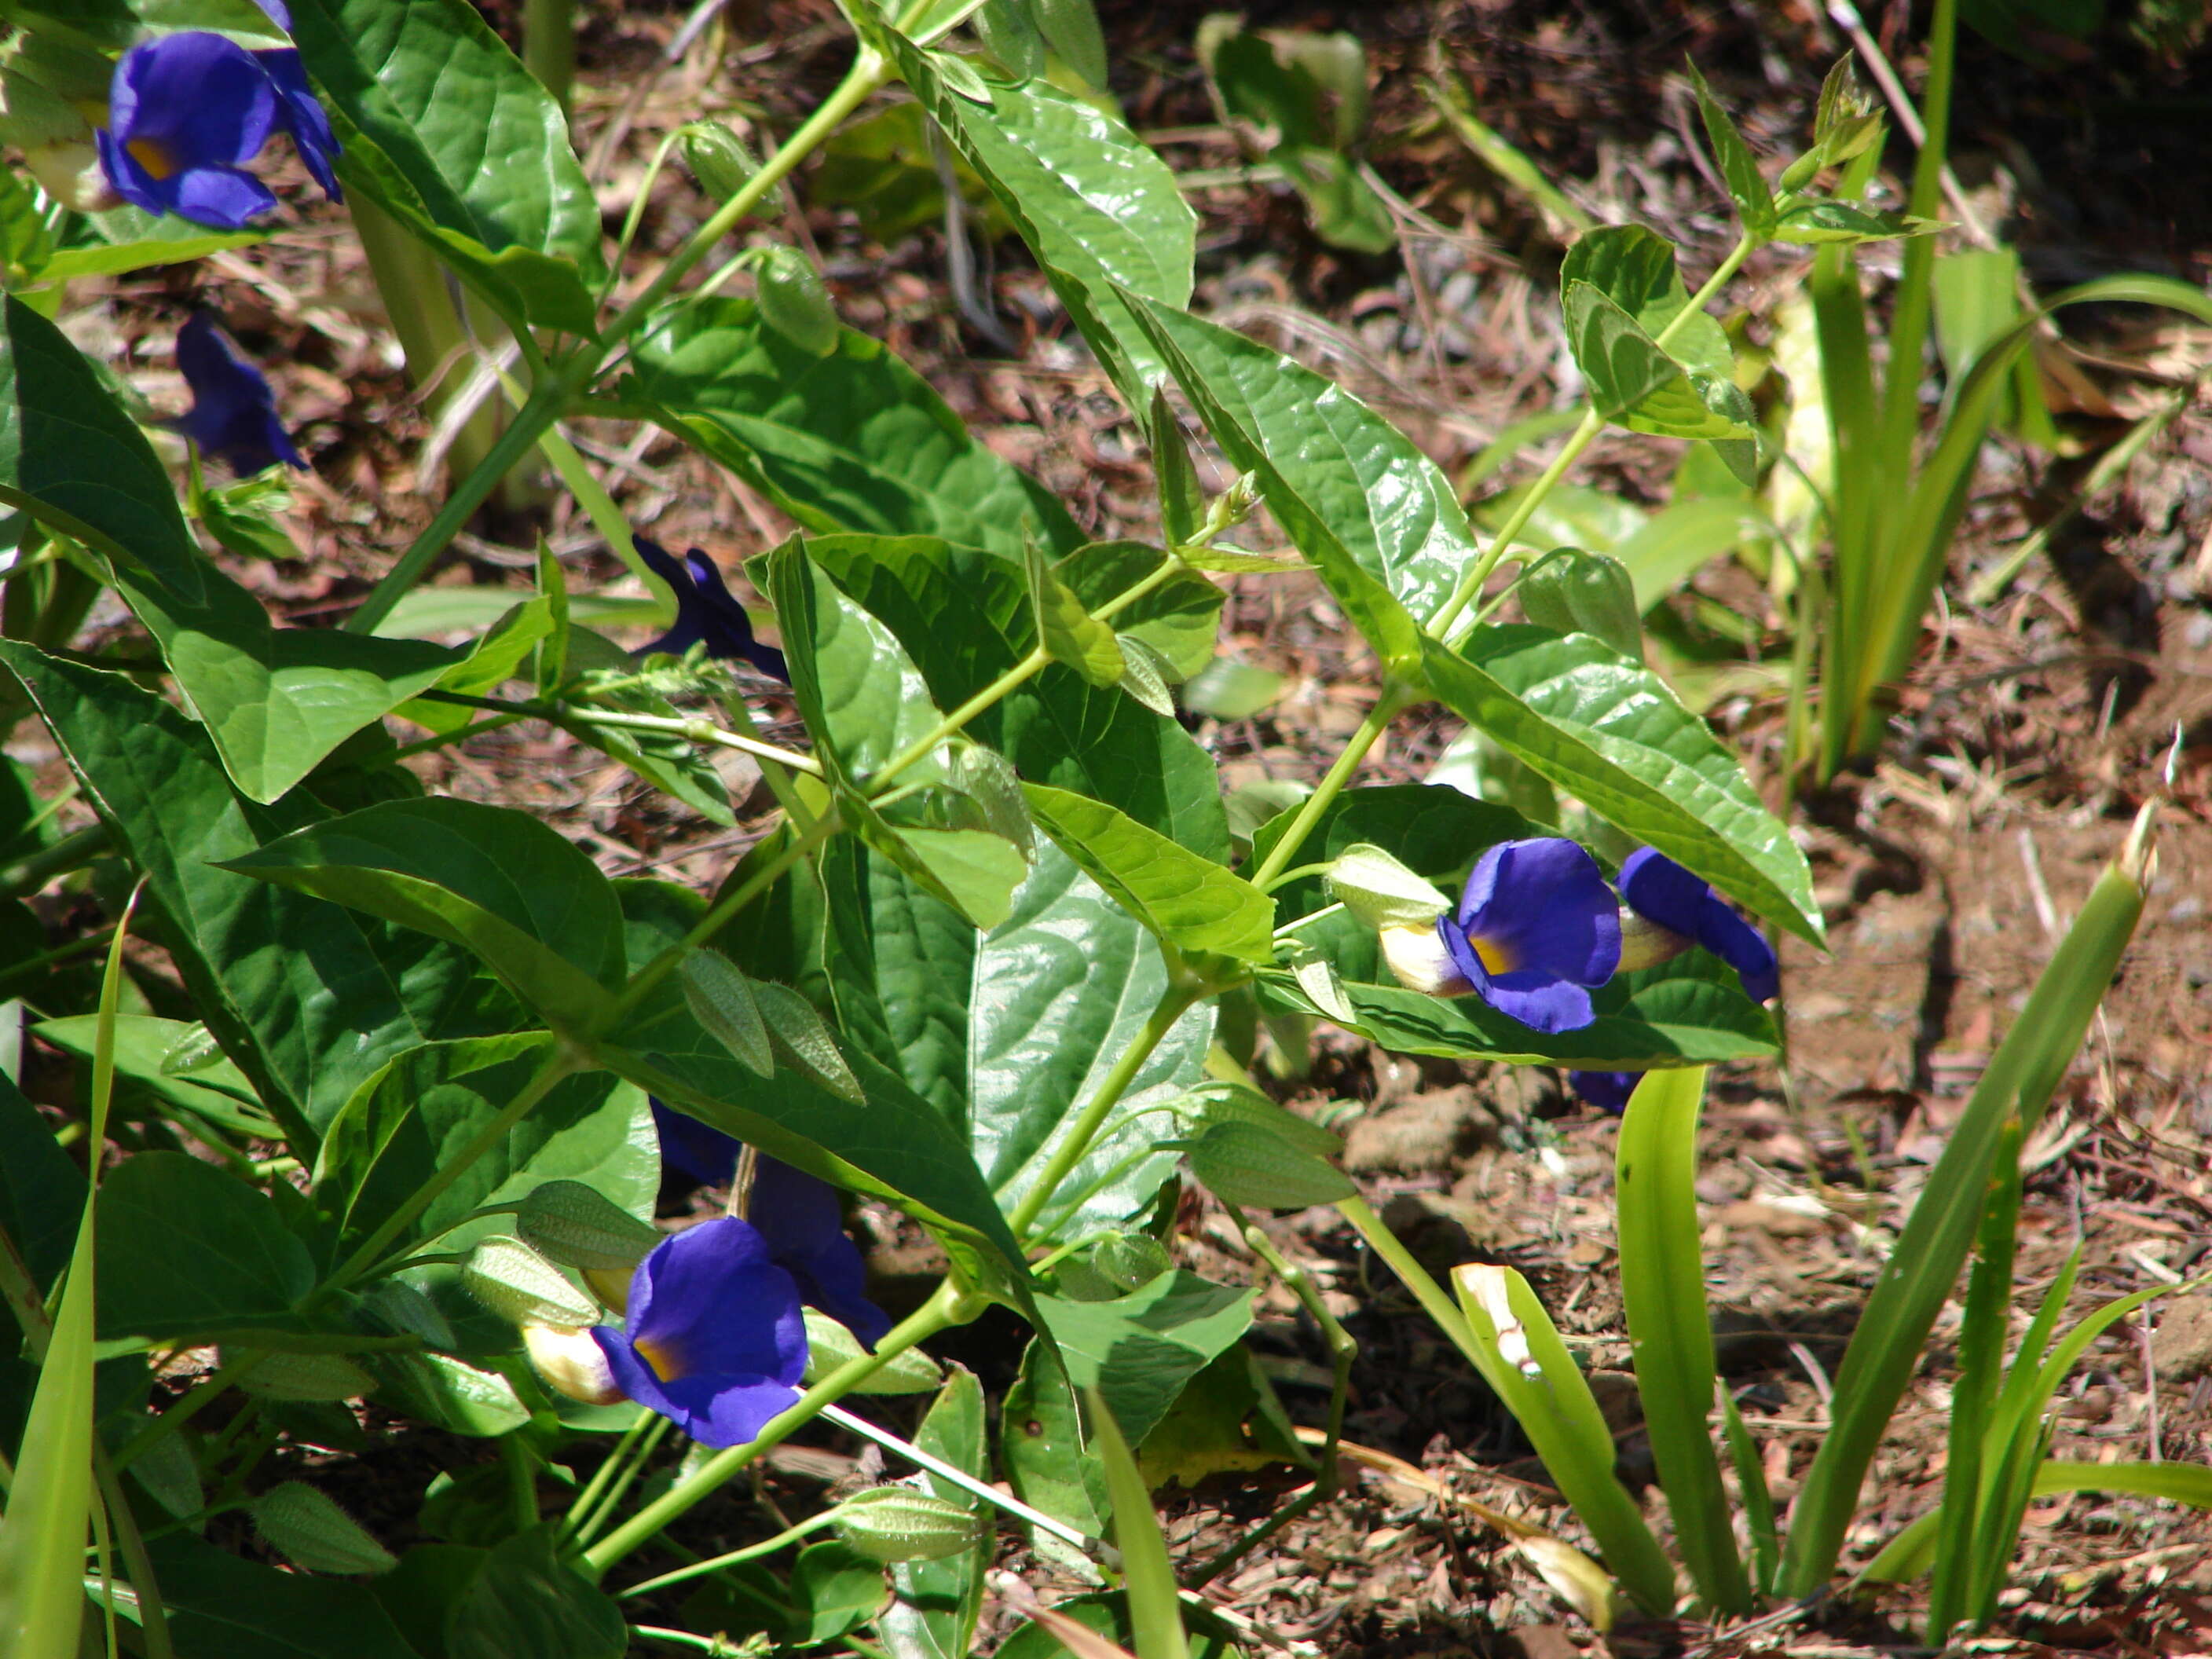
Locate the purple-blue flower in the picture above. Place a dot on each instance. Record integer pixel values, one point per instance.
(1662, 891)
(798, 1215)
(713, 1340)
(233, 412)
(187, 111)
(1606, 1090)
(1536, 928)
(706, 610)
(184, 114)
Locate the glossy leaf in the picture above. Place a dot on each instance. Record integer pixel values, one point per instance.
(1609, 732)
(1354, 494)
(223, 1608)
(1572, 592)
(1635, 269)
(77, 463)
(277, 701)
(491, 879)
(1100, 211)
(1634, 382)
(1070, 634)
(1139, 1350)
(1192, 903)
(186, 1249)
(1180, 618)
(444, 129)
(853, 440)
(1055, 729)
(1746, 185)
(307, 997)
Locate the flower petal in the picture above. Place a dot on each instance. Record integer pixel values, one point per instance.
(233, 413)
(1662, 890)
(708, 1302)
(1541, 1004)
(300, 113)
(1743, 947)
(696, 1148)
(1541, 907)
(706, 610)
(804, 1222)
(1606, 1090)
(206, 99)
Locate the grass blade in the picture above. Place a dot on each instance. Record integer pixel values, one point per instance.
(1155, 1613)
(1663, 1288)
(1758, 1499)
(1925, 1265)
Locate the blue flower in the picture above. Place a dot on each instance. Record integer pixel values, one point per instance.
(187, 111)
(1606, 1090)
(233, 412)
(713, 1340)
(1536, 928)
(184, 114)
(799, 1215)
(706, 609)
(1662, 891)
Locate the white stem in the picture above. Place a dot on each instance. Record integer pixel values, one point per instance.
(960, 1478)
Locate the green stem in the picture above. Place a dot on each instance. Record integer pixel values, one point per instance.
(789, 1536)
(550, 397)
(1395, 698)
(696, 731)
(1431, 1295)
(1027, 669)
(617, 1488)
(625, 1450)
(185, 1409)
(31, 874)
(1470, 584)
(559, 1062)
(549, 45)
(1182, 991)
(948, 1307)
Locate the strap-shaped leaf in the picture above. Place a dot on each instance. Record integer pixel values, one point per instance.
(1354, 494)
(1100, 210)
(74, 461)
(277, 701)
(1192, 903)
(1610, 733)
(498, 881)
(852, 440)
(446, 130)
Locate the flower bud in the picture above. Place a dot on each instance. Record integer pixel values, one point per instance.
(569, 1360)
(1382, 891)
(311, 1531)
(1241, 1164)
(70, 172)
(1645, 944)
(718, 159)
(897, 1523)
(578, 1227)
(324, 1378)
(516, 1283)
(794, 302)
(1422, 962)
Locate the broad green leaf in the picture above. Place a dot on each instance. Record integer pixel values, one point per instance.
(1138, 1349)
(446, 130)
(223, 1608)
(126, 239)
(1190, 901)
(935, 1605)
(1226, 690)
(420, 1111)
(1071, 634)
(526, 1600)
(41, 1190)
(854, 440)
(1634, 382)
(217, 1091)
(1100, 211)
(309, 997)
(502, 653)
(277, 701)
(1746, 185)
(1055, 729)
(1609, 731)
(1346, 210)
(891, 1142)
(491, 879)
(976, 869)
(1814, 222)
(75, 462)
(835, 1588)
(186, 1249)
(451, 1393)
(1180, 618)
(1682, 1013)
(1572, 592)
(1635, 269)
(1353, 492)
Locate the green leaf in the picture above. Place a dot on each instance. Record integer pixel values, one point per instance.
(124, 240)
(1226, 690)
(493, 879)
(41, 1190)
(1183, 499)
(1100, 211)
(1633, 381)
(1055, 729)
(1190, 901)
(444, 129)
(935, 1605)
(527, 1599)
(721, 999)
(1746, 185)
(221, 1608)
(75, 462)
(837, 1590)
(277, 701)
(1138, 1349)
(1071, 634)
(1609, 731)
(188, 1251)
(502, 653)
(1155, 1609)
(852, 440)
(1635, 269)
(1662, 1286)
(1344, 209)
(1353, 492)
(1678, 1014)
(309, 997)
(25, 244)
(415, 1115)
(1810, 223)
(1572, 592)
(977, 871)
(216, 1091)
(889, 1142)
(1042, 1450)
